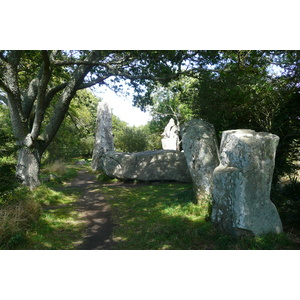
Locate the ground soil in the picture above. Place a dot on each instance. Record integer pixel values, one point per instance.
(94, 208)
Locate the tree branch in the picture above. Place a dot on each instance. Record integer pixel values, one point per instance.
(41, 95)
(29, 97)
(94, 82)
(73, 120)
(51, 93)
(65, 98)
(11, 86)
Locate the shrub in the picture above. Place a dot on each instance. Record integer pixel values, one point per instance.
(7, 177)
(131, 139)
(287, 201)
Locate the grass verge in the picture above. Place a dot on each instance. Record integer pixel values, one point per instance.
(43, 219)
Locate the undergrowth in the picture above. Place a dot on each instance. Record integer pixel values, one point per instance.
(18, 214)
(42, 218)
(58, 172)
(287, 201)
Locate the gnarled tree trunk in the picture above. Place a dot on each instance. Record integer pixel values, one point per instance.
(28, 167)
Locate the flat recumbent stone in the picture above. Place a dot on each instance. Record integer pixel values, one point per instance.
(159, 165)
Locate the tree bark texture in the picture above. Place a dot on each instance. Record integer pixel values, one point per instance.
(28, 167)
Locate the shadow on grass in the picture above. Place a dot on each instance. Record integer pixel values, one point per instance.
(60, 226)
(164, 217)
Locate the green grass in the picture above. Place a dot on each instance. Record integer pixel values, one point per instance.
(43, 218)
(40, 219)
(102, 177)
(58, 172)
(157, 216)
(164, 216)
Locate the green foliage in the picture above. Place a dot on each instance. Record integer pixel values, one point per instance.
(102, 177)
(7, 144)
(75, 137)
(7, 177)
(169, 102)
(133, 139)
(287, 200)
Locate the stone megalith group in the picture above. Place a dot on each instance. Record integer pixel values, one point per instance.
(159, 165)
(236, 179)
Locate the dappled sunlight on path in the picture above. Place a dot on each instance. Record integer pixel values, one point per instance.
(92, 207)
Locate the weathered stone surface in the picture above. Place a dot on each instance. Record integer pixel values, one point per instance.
(146, 166)
(201, 152)
(104, 138)
(242, 184)
(170, 140)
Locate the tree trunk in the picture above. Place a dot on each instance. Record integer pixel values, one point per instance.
(28, 167)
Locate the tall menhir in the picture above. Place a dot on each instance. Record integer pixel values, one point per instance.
(104, 140)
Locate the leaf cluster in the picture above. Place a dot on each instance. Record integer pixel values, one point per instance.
(132, 138)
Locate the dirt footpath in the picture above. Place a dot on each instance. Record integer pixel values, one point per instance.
(96, 210)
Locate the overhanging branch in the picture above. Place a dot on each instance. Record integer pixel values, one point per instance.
(41, 95)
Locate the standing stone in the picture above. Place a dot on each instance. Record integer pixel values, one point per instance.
(242, 184)
(170, 140)
(200, 147)
(104, 138)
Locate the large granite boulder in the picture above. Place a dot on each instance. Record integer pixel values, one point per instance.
(157, 165)
(104, 137)
(242, 184)
(200, 147)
